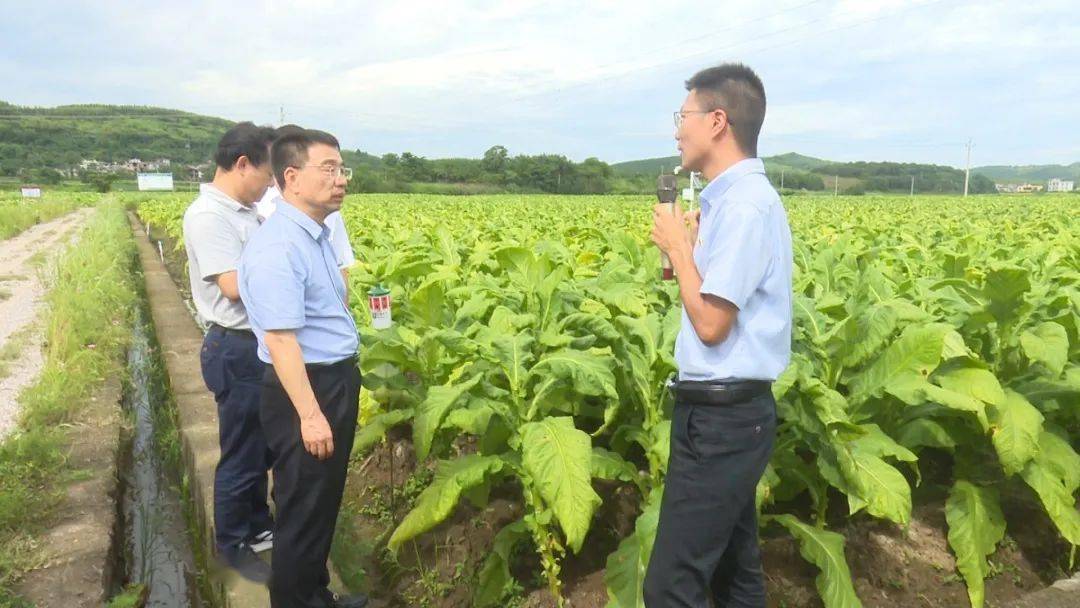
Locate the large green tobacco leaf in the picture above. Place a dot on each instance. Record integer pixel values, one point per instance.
(1016, 426)
(1058, 456)
(872, 331)
(428, 301)
(588, 372)
(626, 567)
(955, 400)
(974, 382)
(585, 372)
(880, 487)
(868, 481)
(1005, 288)
(437, 501)
(558, 457)
(903, 368)
(514, 355)
(1059, 503)
(825, 550)
(375, 429)
(433, 409)
(1054, 475)
(606, 464)
(1048, 344)
(924, 432)
(976, 526)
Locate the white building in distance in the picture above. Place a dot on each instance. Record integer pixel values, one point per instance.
(1060, 185)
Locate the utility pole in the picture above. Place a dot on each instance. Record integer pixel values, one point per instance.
(912, 185)
(781, 179)
(836, 185)
(281, 116)
(967, 168)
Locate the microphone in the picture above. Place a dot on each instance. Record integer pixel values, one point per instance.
(666, 192)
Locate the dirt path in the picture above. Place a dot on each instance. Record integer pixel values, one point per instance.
(21, 293)
(77, 567)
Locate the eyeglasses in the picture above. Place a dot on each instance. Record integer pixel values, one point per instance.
(680, 116)
(333, 171)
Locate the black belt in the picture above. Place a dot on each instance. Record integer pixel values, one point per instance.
(315, 368)
(344, 363)
(243, 333)
(719, 393)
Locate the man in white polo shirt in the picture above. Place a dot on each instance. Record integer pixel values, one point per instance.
(216, 227)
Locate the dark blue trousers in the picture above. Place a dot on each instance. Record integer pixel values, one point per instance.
(233, 372)
(706, 550)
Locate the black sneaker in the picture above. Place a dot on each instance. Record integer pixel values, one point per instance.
(263, 541)
(246, 563)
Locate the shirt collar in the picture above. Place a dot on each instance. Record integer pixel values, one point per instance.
(720, 185)
(217, 195)
(315, 229)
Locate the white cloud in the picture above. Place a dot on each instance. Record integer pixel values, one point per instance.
(593, 76)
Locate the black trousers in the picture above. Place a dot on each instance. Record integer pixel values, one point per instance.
(307, 491)
(232, 370)
(706, 549)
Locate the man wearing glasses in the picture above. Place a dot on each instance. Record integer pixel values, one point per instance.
(296, 299)
(339, 237)
(734, 271)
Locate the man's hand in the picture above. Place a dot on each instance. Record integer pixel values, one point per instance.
(669, 229)
(317, 436)
(288, 361)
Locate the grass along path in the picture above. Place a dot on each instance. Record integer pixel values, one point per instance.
(22, 288)
(54, 454)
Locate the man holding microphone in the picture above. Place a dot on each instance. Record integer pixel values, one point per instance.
(734, 268)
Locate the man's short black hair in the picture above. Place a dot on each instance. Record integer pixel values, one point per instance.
(289, 129)
(244, 139)
(291, 149)
(737, 90)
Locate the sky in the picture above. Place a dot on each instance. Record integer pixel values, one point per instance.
(894, 80)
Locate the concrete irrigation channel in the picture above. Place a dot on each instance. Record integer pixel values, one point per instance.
(180, 341)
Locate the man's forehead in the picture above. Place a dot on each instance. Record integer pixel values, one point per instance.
(320, 153)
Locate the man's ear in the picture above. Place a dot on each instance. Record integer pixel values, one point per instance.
(243, 163)
(719, 122)
(290, 176)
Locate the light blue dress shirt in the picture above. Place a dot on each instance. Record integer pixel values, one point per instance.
(289, 279)
(744, 256)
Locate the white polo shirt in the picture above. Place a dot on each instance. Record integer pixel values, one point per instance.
(216, 227)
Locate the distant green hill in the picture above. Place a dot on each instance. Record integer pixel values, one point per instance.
(646, 166)
(62, 136)
(809, 173)
(796, 161)
(1029, 173)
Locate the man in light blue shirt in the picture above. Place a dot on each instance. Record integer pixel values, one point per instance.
(734, 266)
(296, 302)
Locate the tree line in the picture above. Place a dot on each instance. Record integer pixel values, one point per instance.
(547, 173)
